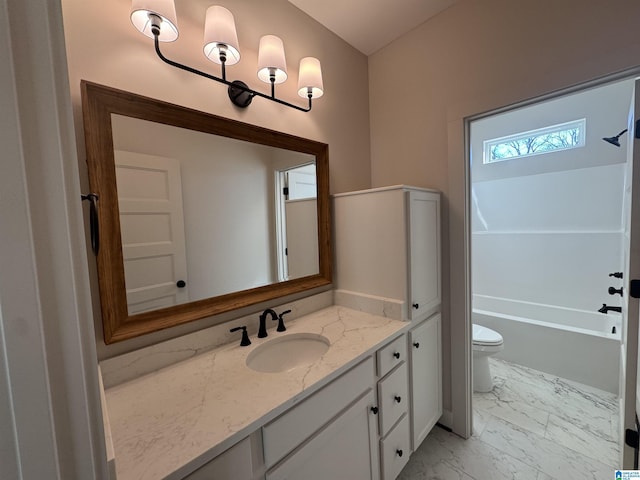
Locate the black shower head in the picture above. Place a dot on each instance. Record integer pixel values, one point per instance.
(614, 140)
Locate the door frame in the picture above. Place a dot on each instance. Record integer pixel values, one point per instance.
(51, 412)
(459, 215)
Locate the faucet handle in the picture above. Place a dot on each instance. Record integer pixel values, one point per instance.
(245, 336)
(281, 327)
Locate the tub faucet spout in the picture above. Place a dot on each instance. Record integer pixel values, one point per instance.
(606, 309)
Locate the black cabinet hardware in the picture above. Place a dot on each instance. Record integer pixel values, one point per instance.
(397, 398)
(399, 452)
(616, 274)
(416, 344)
(397, 355)
(416, 306)
(374, 410)
(181, 284)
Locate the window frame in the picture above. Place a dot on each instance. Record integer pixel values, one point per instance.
(489, 145)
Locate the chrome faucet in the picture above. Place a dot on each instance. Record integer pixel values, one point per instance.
(606, 309)
(262, 331)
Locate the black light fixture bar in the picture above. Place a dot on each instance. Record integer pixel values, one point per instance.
(236, 88)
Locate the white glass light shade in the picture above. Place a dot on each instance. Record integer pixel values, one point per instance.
(271, 59)
(310, 77)
(165, 9)
(220, 34)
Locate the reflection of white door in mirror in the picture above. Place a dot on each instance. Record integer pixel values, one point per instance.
(296, 221)
(302, 237)
(302, 182)
(152, 230)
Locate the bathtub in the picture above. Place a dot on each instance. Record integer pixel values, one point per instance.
(575, 344)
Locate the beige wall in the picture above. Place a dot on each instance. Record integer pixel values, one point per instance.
(104, 47)
(474, 57)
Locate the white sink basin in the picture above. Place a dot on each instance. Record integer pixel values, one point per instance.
(288, 352)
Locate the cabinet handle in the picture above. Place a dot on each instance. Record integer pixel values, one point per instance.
(181, 284)
(374, 410)
(416, 344)
(416, 306)
(397, 355)
(398, 398)
(399, 452)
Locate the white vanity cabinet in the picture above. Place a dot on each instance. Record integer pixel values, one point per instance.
(393, 407)
(346, 448)
(331, 434)
(240, 462)
(425, 354)
(387, 244)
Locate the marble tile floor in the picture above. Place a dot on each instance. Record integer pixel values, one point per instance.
(531, 426)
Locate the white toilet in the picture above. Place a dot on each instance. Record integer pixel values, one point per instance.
(486, 342)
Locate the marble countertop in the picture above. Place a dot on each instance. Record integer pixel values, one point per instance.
(168, 423)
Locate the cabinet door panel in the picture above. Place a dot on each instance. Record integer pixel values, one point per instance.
(426, 378)
(234, 464)
(293, 427)
(424, 248)
(346, 448)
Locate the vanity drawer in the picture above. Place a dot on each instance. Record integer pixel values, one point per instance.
(395, 449)
(391, 355)
(393, 398)
(288, 431)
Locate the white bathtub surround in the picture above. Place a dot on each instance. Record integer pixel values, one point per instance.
(384, 307)
(570, 343)
(521, 430)
(169, 422)
(145, 360)
(556, 247)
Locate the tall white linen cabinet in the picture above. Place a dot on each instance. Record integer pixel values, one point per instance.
(387, 252)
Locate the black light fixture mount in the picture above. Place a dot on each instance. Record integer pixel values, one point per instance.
(157, 19)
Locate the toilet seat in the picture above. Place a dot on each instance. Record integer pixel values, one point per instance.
(483, 336)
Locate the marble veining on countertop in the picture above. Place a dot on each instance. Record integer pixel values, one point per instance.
(168, 423)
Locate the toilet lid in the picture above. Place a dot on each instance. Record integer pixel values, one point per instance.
(486, 336)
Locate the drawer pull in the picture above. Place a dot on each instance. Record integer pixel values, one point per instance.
(398, 398)
(397, 355)
(416, 306)
(374, 410)
(416, 344)
(399, 452)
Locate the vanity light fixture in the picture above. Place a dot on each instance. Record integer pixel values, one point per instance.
(157, 19)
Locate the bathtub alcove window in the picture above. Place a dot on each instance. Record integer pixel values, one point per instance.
(562, 136)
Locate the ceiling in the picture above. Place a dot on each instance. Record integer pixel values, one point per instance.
(369, 25)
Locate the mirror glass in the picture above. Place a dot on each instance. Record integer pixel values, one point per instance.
(198, 214)
(204, 215)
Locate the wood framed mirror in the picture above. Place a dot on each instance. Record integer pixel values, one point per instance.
(198, 214)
